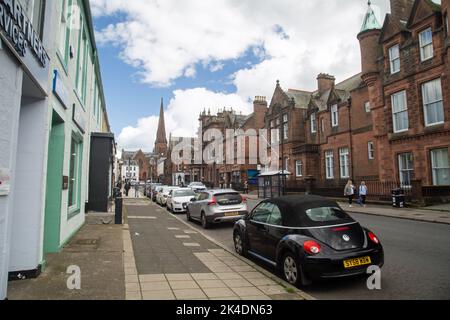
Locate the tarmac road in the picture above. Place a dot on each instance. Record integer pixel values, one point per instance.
(417, 260)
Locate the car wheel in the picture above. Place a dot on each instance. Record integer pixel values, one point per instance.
(188, 215)
(205, 223)
(292, 271)
(239, 244)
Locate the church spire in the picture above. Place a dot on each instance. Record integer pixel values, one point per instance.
(161, 139)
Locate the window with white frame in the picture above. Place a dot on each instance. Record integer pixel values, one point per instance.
(406, 168)
(441, 167)
(367, 107)
(64, 30)
(329, 164)
(322, 126)
(285, 127)
(313, 123)
(426, 44)
(334, 115)
(432, 102)
(286, 164)
(400, 112)
(371, 150)
(344, 162)
(394, 58)
(299, 168)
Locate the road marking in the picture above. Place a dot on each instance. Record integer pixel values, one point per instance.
(191, 244)
(182, 237)
(173, 229)
(190, 232)
(142, 217)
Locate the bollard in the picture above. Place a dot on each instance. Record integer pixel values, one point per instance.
(119, 207)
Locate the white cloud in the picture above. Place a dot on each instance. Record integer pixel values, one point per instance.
(181, 116)
(294, 40)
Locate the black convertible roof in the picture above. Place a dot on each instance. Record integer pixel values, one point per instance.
(293, 209)
(307, 201)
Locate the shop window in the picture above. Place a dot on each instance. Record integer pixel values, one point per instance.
(75, 165)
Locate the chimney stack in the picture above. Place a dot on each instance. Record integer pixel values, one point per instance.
(401, 9)
(260, 109)
(325, 82)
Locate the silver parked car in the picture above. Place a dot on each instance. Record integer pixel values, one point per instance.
(216, 206)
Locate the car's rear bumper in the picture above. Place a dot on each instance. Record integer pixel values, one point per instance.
(179, 208)
(333, 266)
(222, 218)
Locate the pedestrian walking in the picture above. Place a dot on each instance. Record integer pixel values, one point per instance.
(246, 187)
(136, 190)
(363, 193)
(349, 192)
(127, 188)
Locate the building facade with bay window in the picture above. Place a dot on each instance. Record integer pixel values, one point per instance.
(51, 102)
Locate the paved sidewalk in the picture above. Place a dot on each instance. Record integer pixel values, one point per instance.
(436, 214)
(98, 251)
(424, 215)
(167, 260)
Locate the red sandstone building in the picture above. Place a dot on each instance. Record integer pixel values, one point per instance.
(405, 65)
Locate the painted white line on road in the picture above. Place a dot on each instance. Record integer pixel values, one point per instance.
(182, 237)
(191, 244)
(173, 229)
(190, 232)
(142, 217)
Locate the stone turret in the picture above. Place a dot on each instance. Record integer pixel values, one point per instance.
(369, 38)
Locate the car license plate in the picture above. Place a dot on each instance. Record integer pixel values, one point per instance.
(351, 263)
(231, 214)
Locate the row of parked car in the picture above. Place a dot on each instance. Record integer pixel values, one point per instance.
(305, 238)
(206, 206)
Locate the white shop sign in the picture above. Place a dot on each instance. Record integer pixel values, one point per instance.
(5, 181)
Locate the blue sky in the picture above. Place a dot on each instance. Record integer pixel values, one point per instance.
(129, 99)
(213, 54)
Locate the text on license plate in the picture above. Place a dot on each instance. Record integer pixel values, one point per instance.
(351, 263)
(231, 214)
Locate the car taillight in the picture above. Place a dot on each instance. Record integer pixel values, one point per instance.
(373, 238)
(312, 247)
(213, 202)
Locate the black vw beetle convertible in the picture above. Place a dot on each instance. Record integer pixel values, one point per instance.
(307, 238)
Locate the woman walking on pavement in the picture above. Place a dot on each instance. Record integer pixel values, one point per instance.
(363, 193)
(349, 192)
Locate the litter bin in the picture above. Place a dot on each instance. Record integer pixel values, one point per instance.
(398, 198)
(118, 214)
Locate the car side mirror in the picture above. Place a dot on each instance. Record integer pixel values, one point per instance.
(193, 200)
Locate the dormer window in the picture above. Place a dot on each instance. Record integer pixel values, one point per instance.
(334, 116)
(426, 44)
(313, 123)
(394, 58)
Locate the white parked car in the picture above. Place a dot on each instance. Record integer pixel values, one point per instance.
(161, 197)
(178, 199)
(197, 186)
